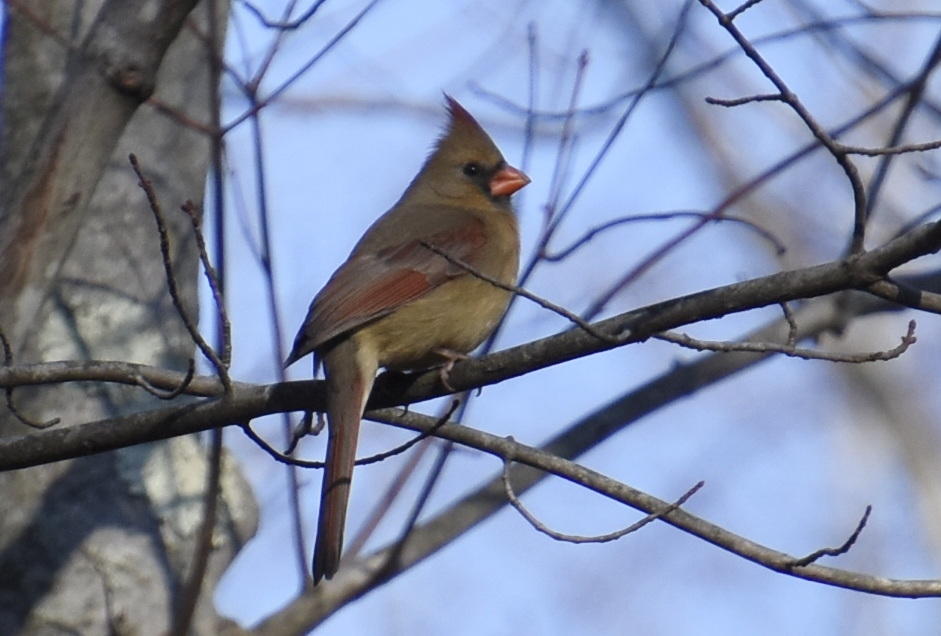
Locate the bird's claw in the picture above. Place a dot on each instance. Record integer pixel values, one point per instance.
(450, 357)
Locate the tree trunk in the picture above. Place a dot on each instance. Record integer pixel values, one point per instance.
(102, 544)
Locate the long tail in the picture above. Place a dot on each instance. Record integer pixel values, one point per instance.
(350, 374)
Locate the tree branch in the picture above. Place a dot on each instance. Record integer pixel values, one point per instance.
(248, 402)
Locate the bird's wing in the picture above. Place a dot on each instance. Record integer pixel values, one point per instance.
(371, 285)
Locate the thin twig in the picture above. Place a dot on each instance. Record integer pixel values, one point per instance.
(742, 9)
(212, 278)
(664, 216)
(818, 131)
(890, 150)
(266, 264)
(794, 352)
(188, 322)
(566, 142)
(843, 549)
(555, 458)
(283, 25)
(608, 143)
(290, 81)
(792, 326)
(914, 102)
(42, 24)
(384, 503)
(143, 383)
(542, 302)
(182, 118)
(251, 87)
(575, 538)
(192, 586)
(364, 461)
(11, 405)
(741, 101)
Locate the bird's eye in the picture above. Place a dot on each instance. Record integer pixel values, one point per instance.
(472, 169)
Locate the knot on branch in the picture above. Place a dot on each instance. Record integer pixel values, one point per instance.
(862, 273)
(128, 77)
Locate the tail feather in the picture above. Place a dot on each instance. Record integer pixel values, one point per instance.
(350, 372)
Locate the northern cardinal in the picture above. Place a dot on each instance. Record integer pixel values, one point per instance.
(397, 303)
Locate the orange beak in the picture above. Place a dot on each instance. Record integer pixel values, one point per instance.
(506, 181)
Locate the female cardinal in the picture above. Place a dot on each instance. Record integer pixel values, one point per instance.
(398, 303)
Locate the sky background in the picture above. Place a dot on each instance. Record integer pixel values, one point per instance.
(791, 451)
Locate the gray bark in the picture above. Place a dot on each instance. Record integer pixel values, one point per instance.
(102, 544)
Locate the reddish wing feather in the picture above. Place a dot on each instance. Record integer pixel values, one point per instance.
(362, 290)
(369, 286)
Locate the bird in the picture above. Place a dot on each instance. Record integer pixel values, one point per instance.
(417, 291)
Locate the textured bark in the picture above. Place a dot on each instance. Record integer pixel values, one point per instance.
(101, 544)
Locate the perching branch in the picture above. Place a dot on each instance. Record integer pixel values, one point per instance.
(248, 402)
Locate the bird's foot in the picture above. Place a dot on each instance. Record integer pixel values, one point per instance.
(305, 427)
(450, 357)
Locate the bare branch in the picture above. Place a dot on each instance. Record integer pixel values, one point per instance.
(664, 216)
(290, 81)
(789, 349)
(791, 99)
(741, 101)
(906, 295)
(891, 150)
(352, 582)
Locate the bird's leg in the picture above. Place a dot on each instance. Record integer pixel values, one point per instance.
(450, 357)
(305, 427)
